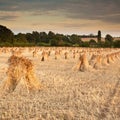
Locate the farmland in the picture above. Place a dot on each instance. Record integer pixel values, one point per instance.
(75, 84)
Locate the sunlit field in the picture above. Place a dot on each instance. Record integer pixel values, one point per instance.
(59, 83)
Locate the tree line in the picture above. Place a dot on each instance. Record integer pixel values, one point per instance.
(8, 38)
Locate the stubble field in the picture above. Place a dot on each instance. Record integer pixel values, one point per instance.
(67, 92)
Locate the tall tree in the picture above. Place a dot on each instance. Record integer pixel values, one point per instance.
(108, 38)
(109, 41)
(99, 36)
(51, 35)
(75, 39)
(43, 37)
(20, 38)
(36, 36)
(6, 35)
(30, 38)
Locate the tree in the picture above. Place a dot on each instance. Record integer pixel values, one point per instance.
(92, 43)
(43, 37)
(30, 38)
(6, 35)
(117, 43)
(109, 38)
(20, 38)
(51, 35)
(108, 41)
(53, 42)
(36, 36)
(99, 36)
(65, 38)
(59, 40)
(75, 39)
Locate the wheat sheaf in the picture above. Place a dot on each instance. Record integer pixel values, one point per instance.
(20, 71)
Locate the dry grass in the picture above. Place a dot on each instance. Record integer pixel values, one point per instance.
(69, 95)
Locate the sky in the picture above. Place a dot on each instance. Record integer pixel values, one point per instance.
(61, 16)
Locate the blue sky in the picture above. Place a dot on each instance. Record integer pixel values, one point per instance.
(63, 16)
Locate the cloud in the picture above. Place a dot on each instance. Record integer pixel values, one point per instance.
(103, 10)
(9, 16)
(77, 25)
(29, 5)
(108, 10)
(113, 18)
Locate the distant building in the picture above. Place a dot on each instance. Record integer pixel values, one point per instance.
(85, 39)
(88, 38)
(116, 38)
